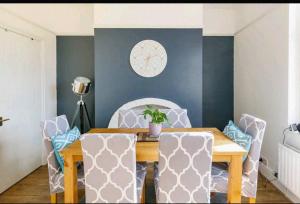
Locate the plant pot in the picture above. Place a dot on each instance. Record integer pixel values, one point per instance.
(155, 129)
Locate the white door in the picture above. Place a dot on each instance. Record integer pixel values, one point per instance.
(20, 101)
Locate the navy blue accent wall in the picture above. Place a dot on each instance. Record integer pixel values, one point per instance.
(116, 83)
(75, 57)
(217, 81)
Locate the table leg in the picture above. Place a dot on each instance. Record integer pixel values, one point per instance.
(70, 174)
(235, 179)
(143, 199)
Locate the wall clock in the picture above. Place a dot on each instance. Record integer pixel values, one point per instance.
(148, 58)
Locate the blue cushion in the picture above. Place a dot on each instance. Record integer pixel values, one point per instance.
(235, 134)
(61, 141)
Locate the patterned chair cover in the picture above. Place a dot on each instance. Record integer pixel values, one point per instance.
(184, 170)
(133, 118)
(57, 125)
(178, 118)
(256, 128)
(110, 168)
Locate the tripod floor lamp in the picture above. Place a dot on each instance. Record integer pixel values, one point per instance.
(81, 86)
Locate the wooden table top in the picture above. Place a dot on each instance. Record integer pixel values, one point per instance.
(222, 144)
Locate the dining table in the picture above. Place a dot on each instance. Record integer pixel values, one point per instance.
(224, 150)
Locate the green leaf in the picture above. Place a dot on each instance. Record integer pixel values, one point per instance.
(147, 112)
(157, 117)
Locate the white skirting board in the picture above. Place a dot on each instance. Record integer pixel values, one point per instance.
(269, 174)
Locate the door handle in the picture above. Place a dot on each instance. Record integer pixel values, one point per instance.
(3, 120)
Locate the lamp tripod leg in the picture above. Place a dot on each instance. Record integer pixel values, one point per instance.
(82, 111)
(81, 119)
(75, 116)
(87, 115)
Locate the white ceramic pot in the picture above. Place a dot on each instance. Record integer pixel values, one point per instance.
(155, 129)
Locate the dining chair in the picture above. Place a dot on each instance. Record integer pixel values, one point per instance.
(52, 127)
(133, 118)
(111, 174)
(256, 128)
(184, 169)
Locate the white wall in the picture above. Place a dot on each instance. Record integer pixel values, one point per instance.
(48, 58)
(245, 14)
(148, 15)
(261, 75)
(294, 63)
(80, 19)
(61, 19)
(218, 20)
(228, 19)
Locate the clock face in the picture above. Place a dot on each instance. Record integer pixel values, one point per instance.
(148, 58)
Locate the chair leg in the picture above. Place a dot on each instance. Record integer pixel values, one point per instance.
(252, 200)
(53, 198)
(143, 198)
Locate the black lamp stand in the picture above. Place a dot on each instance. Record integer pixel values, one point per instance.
(83, 113)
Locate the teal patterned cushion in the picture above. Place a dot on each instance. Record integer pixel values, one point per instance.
(235, 134)
(61, 141)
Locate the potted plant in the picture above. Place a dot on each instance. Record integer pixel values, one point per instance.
(157, 119)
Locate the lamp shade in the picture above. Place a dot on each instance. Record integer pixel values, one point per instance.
(81, 85)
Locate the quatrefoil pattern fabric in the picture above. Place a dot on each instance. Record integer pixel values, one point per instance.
(52, 127)
(110, 168)
(256, 128)
(133, 118)
(184, 168)
(177, 118)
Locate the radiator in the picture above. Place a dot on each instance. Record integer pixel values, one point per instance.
(289, 169)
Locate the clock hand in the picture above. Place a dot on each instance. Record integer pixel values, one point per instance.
(147, 61)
